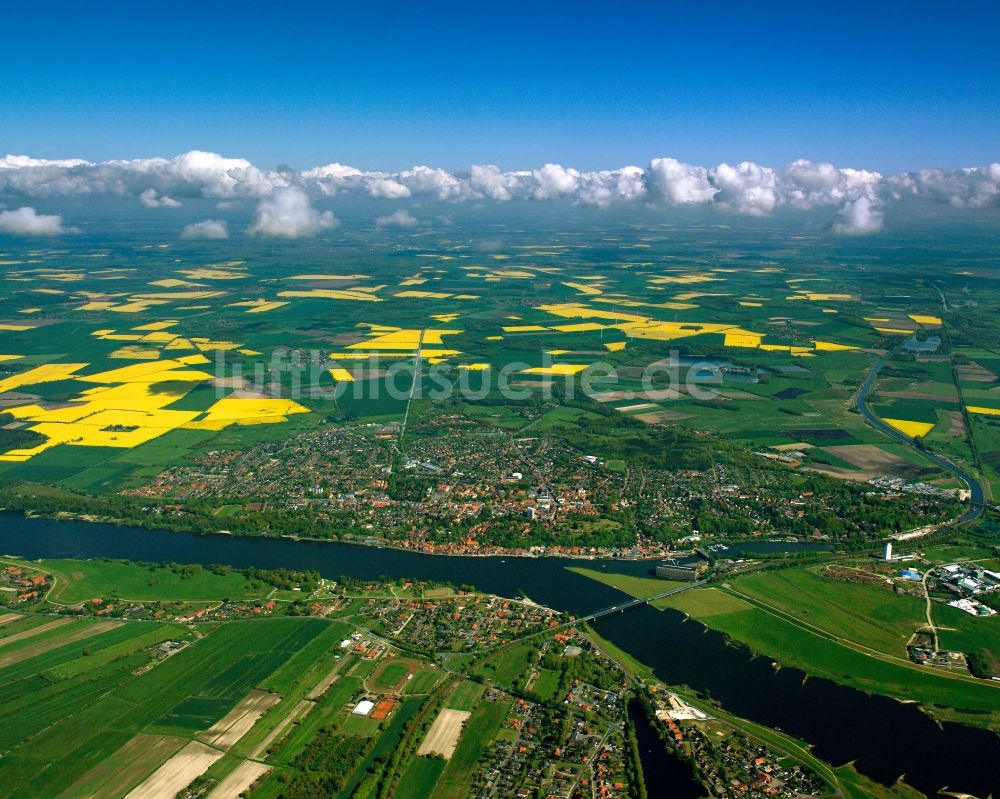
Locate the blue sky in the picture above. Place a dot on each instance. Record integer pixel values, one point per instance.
(880, 85)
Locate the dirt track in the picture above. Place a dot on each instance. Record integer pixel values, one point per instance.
(177, 773)
(238, 721)
(245, 775)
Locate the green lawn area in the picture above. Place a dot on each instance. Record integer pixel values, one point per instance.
(865, 614)
(561, 417)
(228, 511)
(547, 684)
(948, 553)
(632, 585)
(81, 580)
(961, 632)
(422, 681)
(466, 695)
(419, 779)
(479, 730)
(703, 602)
(510, 666)
(390, 675)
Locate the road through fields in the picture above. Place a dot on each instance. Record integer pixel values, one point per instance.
(977, 497)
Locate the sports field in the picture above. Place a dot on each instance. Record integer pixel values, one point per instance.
(392, 675)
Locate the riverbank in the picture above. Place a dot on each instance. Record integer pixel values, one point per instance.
(790, 642)
(884, 737)
(845, 781)
(743, 547)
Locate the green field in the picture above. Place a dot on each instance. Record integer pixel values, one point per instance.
(812, 627)
(327, 712)
(419, 779)
(391, 675)
(478, 732)
(823, 656)
(546, 684)
(585, 301)
(79, 581)
(78, 723)
(792, 322)
(632, 585)
(509, 665)
(864, 614)
(422, 681)
(466, 695)
(964, 633)
(388, 738)
(703, 602)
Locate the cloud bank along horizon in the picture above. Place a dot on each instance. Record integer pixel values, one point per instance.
(285, 197)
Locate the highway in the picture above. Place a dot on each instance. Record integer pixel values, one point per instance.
(977, 495)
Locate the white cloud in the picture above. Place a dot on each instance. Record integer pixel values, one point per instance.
(553, 181)
(805, 184)
(387, 189)
(745, 188)
(27, 221)
(438, 182)
(860, 216)
(287, 213)
(490, 183)
(330, 178)
(192, 174)
(975, 187)
(207, 229)
(21, 161)
(150, 199)
(400, 218)
(332, 172)
(673, 182)
(857, 199)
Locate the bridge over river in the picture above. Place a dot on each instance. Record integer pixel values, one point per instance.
(634, 603)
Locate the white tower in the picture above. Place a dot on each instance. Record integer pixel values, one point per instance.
(888, 551)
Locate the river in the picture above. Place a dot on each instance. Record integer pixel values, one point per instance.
(885, 738)
(663, 775)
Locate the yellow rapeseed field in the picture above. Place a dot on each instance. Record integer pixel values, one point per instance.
(912, 429)
(560, 369)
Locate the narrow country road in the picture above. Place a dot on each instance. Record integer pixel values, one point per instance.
(977, 500)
